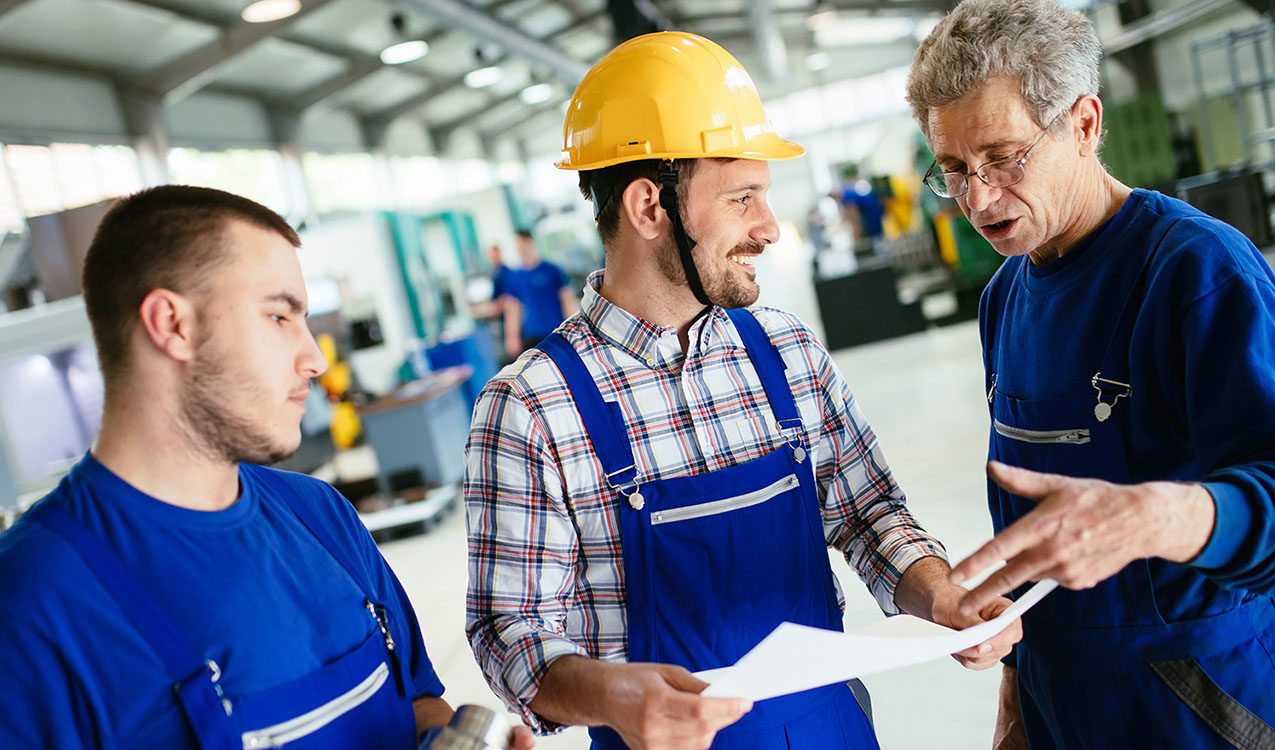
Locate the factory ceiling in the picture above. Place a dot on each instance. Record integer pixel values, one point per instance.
(328, 54)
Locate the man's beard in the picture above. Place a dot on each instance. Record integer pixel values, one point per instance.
(721, 289)
(212, 423)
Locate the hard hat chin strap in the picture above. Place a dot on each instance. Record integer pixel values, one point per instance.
(668, 201)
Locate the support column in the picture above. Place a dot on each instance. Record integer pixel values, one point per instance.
(375, 141)
(285, 130)
(144, 118)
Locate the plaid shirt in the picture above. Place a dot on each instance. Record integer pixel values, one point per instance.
(545, 572)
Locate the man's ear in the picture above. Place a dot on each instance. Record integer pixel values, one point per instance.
(168, 322)
(1087, 121)
(640, 204)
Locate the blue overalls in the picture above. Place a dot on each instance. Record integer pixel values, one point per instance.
(1104, 667)
(358, 701)
(713, 562)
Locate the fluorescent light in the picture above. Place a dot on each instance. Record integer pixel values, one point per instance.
(483, 77)
(818, 61)
(403, 52)
(536, 93)
(265, 11)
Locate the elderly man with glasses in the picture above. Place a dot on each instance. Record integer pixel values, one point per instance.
(1129, 346)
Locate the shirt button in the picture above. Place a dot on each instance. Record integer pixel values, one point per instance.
(650, 361)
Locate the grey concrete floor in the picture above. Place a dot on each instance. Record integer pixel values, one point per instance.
(923, 395)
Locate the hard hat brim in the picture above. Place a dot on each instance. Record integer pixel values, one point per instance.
(774, 149)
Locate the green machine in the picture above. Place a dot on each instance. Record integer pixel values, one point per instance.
(436, 255)
(435, 252)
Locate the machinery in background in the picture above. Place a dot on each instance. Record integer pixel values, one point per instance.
(438, 256)
(50, 399)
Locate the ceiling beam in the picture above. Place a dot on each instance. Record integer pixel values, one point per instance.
(450, 126)
(484, 26)
(534, 112)
(1160, 23)
(769, 39)
(357, 70)
(873, 7)
(425, 97)
(187, 74)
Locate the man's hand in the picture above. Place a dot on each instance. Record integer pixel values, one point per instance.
(652, 706)
(658, 707)
(925, 591)
(1085, 530)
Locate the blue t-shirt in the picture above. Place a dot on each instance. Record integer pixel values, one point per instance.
(1201, 358)
(249, 585)
(500, 281)
(871, 212)
(538, 290)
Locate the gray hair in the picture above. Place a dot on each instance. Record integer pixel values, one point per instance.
(1051, 51)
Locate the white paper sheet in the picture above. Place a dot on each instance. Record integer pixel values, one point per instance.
(796, 657)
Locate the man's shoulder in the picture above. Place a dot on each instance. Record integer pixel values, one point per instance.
(318, 495)
(38, 567)
(785, 328)
(1197, 251)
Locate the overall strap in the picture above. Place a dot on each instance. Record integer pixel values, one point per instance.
(302, 509)
(602, 420)
(769, 366)
(1116, 365)
(194, 678)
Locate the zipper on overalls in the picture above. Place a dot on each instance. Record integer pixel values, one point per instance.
(278, 735)
(726, 505)
(1075, 436)
(382, 621)
(992, 390)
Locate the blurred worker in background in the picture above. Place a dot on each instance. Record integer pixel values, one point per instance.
(172, 592)
(653, 489)
(538, 298)
(863, 210)
(1128, 342)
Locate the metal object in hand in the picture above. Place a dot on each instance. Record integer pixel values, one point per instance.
(474, 728)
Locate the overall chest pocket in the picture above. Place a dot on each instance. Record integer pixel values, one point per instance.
(310, 722)
(726, 505)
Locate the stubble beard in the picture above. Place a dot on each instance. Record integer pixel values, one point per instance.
(720, 288)
(213, 426)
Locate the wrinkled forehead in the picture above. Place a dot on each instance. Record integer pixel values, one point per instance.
(988, 120)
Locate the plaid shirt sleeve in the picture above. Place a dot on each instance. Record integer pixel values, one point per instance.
(865, 512)
(522, 549)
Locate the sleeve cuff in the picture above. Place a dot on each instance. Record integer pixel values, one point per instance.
(524, 680)
(1232, 521)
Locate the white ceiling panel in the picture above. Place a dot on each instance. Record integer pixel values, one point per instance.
(279, 69)
(384, 88)
(104, 34)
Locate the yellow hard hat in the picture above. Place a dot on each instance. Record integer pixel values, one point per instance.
(668, 95)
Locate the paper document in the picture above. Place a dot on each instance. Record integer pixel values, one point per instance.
(796, 657)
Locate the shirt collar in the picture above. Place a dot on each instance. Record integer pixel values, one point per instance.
(655, 345)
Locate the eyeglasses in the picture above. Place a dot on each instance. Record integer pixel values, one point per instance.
(1001, 173)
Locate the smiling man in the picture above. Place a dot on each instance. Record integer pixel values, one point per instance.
(654, 488)
(1128, 342)
(172, 592)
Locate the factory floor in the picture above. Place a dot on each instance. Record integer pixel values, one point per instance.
(923, 395)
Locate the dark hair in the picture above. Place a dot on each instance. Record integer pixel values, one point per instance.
(165, 237)
(525, 234)
(619, 177)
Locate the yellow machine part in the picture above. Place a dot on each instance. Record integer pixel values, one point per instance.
(345, 426)
(946, 239)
